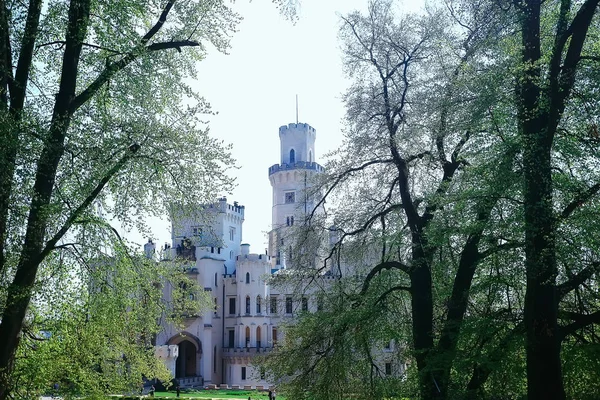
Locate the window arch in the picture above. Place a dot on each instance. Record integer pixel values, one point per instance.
(292, 156)
(258, 338)
(258, 304)
(247, 277)
(247, 336)
(247, 304)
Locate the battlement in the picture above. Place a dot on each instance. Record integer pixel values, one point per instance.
(297, 165)
(300, 126)
(234, 209)
(253, 257)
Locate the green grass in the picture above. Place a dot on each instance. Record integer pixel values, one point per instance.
(218, 394)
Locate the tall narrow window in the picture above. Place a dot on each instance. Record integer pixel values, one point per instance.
(288, 305)
(215, 359)
(247, 277)
(247, 336)
(258, 338)
(231, 337)
(247, 304)
(216, 279)
(258, 305)
(274, 336)
(231, 233)
(232, 305)
(304, 304)
(292, 156)
(273, 309)
(310, 156)
(388, 368)
(243, 373)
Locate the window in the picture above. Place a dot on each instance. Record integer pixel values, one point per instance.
(232, 305)
(231, 337)
(243, 373)
(310, 156)
(388, 368)
(196, 231)
(320, 303)
(247, 336)
(274, 336)
(289, 220)
(388, 345)
(231, 233)
(216, 279)
(215, 359)
(231, 255)
(247, 277)
(304, 304)
(258, 337)
(247, 304)
(273, 305)
(215, 308)
(288, 305)
(290, 197)
(258, 301)
(292, 156)
(262, 373)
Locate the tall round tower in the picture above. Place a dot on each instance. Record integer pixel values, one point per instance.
(290, 180)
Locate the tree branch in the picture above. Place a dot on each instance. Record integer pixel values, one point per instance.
(579, 200)
(50, 245)
(580, 321)
(387, 265)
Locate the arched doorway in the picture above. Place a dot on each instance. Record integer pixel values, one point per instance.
(186, 361)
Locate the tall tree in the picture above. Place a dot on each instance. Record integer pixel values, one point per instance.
(444, 202)
(547, 81)
(92, 114)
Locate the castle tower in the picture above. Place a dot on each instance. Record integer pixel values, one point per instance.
(290, 180)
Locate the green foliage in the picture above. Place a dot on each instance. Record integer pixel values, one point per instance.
(100, 126)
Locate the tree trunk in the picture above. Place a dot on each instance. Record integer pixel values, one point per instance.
(21, 288)
(422, 316)
(544, 375)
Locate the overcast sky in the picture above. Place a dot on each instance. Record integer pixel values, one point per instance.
(254, 88)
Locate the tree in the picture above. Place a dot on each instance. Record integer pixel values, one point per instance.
(91, 113)
(548, 78)
(438, 205)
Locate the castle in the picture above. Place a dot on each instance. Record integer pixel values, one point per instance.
(219, 346)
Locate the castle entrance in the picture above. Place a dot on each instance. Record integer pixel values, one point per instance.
(186, 362)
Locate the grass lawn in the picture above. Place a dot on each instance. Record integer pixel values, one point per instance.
(219, 394)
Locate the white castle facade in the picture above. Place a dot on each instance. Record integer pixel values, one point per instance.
(219, 346)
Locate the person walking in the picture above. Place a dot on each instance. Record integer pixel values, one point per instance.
(270, 394)
(178, 390)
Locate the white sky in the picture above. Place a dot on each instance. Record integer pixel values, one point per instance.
(254, 87)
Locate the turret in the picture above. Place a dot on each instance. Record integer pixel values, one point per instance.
(290, 181)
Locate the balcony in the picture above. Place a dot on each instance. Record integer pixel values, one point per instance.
(245, 351)
(297, 165)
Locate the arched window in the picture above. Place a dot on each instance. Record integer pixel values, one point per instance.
(247, 277)
(292, 156)
(258, 337)
(310, 156)
(258, 305)
(247, 336)
(216, 279)
(247, 304)
(231, 255)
